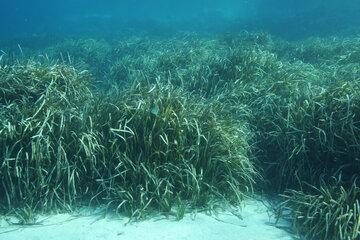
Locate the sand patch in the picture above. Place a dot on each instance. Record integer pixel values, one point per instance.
(254, 222)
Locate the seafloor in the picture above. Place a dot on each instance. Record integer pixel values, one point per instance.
(254, 221)
(147, 124)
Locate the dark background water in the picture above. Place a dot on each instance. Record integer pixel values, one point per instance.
(287, 18)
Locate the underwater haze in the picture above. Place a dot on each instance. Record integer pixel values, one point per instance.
(288, 18)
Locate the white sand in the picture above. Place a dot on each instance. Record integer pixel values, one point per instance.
(255, 223)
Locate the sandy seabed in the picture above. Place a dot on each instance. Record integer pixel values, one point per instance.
(254, 222)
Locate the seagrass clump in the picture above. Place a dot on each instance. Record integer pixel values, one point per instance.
(336, 128)
(189, 62)
(328, 51)
(276, 94)
(305, 116)
(91, 54)
(163, 147)
(203, 65)
(42, 109)
(143, 149)
(330, 212)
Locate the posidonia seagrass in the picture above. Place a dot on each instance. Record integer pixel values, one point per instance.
(150, 123)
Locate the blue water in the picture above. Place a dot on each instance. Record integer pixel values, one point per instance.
(286, 18)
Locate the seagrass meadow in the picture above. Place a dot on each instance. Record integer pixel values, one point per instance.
(168, 124)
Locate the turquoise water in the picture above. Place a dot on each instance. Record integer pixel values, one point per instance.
(290, 18)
